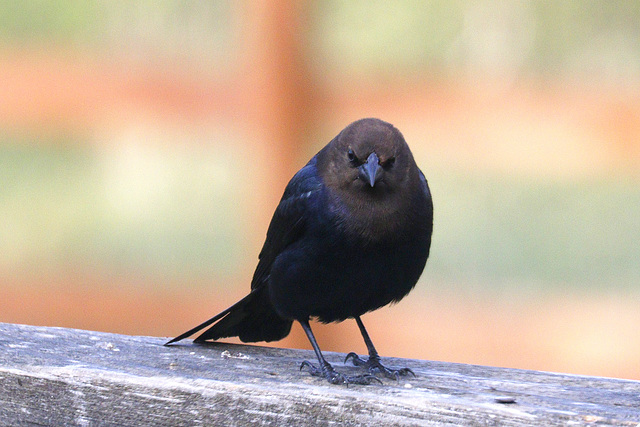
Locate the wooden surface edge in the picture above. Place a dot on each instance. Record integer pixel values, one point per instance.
(55, 376)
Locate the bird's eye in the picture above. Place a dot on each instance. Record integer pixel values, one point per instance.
(388, 163)
(353, 158)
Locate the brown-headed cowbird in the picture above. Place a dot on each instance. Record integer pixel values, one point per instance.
(351, 234)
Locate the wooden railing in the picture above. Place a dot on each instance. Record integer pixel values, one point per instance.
(58, 376)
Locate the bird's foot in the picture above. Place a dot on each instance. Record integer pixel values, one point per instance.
(334, 377)
(374, 366)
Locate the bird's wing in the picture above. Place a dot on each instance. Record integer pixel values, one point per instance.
(424, 185)
(288, 220)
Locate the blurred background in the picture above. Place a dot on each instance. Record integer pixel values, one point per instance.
(144, 146)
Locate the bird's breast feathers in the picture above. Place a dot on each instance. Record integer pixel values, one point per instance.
(373, 219)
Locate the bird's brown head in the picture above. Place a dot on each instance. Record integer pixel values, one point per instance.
(369, 157)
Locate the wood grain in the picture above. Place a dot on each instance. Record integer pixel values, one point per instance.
(58, 376)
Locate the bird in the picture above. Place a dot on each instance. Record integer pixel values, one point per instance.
(351, 233)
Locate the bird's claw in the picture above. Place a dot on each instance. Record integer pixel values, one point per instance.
(357, 361)
(337, 378)
(374, 366)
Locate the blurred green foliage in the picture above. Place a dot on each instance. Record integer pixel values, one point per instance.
(44, 21)
(509, 230)
(68, 207)
(363, 37)
(590, 37)
(150, 214)
(201, 33)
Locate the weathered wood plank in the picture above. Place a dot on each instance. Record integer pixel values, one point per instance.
(56, 376)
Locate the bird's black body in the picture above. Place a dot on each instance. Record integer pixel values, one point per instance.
(331, 271)
(351, 234)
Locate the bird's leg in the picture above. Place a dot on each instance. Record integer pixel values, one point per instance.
(373, 364)
(325, 369)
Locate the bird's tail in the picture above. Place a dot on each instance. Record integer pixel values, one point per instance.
(251, 319)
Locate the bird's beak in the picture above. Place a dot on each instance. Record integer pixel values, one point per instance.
(371, 171)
